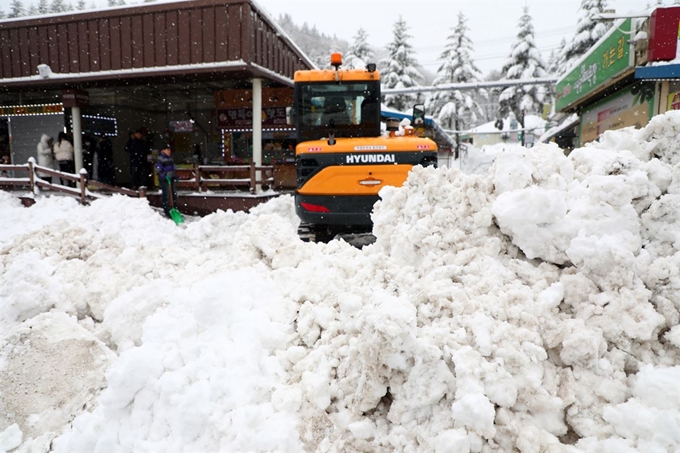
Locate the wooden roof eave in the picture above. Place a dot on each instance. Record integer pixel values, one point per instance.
(198, 73)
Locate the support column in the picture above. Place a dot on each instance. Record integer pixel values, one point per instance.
(77, 139)
(257, 129)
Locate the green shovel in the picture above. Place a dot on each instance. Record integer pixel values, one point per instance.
(174, 213)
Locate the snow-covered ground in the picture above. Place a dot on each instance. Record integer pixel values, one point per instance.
(530, 308)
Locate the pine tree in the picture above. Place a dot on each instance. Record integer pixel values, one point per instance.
(456, 109)
(57, 6)
(556, 59)
(32, 10)
(524, 62)
(588, 32)
(359, 52)
(16, 9)
(43, 7)
(2, 14)
(399, 68)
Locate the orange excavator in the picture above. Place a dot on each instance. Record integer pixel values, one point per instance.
(343, 158)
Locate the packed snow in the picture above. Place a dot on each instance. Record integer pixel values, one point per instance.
(533, 308)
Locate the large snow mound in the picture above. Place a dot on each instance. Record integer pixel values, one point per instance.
(533, 309)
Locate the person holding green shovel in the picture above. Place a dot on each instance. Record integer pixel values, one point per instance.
(165, 169)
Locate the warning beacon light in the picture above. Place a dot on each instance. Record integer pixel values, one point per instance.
(336, 59)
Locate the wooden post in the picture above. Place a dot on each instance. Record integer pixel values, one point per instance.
(197, 176)
(142, 192)
(253, 182)
(83, 186)
(31, 174)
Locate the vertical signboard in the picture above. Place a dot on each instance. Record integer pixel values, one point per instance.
(609, 58)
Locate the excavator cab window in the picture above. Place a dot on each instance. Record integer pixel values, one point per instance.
(349, 109)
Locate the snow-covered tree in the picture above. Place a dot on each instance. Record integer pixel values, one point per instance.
(2, 14)
(80, 6)
(16, 9)
(556, 59)
(32, 10)
(58, 6)
(43, 7)
(400, 68)
(456, 109)
(359, 52)
(524, 63)
(588, 32)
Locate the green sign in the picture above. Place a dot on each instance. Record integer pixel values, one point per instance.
(608, 59)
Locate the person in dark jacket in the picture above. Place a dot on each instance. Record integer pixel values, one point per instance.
(165, 166)
(138, 148)
(105, 169)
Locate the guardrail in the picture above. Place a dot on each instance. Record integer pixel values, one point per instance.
(9, 176)
(203, 177)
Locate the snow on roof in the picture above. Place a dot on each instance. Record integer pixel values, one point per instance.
(568, 122)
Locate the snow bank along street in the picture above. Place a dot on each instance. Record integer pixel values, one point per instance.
(533, 309)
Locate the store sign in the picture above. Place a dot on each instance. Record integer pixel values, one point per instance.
(610, 58)
(25, 110)
(181, 126)
(242, 118)
(673, 101)
(631, 107)
(99, 125)
(75, 98)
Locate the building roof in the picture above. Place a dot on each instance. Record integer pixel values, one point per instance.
(182, 41)
(440, 135)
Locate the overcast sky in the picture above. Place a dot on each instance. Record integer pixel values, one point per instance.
(493, 24)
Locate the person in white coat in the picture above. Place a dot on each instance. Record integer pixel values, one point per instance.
(64, 153)
(45, 158)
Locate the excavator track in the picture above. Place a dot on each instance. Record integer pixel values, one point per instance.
(323, 233)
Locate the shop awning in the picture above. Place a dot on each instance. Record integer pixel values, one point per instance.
(658, 72)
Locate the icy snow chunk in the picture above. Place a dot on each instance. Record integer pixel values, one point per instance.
(475, 412)
(453, 441)
(11, 437)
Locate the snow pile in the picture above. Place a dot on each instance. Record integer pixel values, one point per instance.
(532, 309)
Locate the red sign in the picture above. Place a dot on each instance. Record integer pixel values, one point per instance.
(243, 118)
(663, 34)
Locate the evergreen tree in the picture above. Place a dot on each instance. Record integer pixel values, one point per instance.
(456, 109)
(524, 62)
(32, 10)
(81, 5)
(57, 6)
(399, 69)
(556, 59)
(317, 46)
(43, 7)
(359, 52)
(588, 32)
(16, 9)
(2, 14)
(112, 2)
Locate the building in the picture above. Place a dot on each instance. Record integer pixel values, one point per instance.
(618, 83)
(191, 73)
